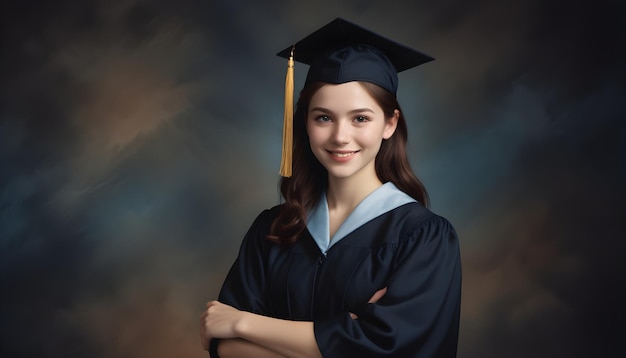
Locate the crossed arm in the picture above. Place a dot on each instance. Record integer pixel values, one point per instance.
(244, 334)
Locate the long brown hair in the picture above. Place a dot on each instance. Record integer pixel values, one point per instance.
(304, 188)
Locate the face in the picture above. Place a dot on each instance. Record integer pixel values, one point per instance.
(346, 127)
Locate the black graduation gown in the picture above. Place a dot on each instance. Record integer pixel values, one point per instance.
(409, 250)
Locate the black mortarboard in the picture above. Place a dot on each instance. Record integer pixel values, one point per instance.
(341, 52)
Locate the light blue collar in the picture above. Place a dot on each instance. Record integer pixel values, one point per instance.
(384, 199)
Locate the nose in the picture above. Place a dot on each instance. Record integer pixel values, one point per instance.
(341, 132)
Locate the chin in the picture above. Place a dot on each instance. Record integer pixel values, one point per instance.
(343, 173)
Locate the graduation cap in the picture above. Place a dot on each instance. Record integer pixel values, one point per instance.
(341, 52)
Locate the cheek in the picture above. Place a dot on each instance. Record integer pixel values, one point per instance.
(373, 138)
(315, 134)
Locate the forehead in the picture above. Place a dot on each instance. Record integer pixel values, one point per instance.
(349, 95)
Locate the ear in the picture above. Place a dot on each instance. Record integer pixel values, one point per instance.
(391, 124)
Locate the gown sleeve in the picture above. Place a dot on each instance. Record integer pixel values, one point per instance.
(419, 314)
(244, 286)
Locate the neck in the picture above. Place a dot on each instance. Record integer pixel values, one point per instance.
(347, 193)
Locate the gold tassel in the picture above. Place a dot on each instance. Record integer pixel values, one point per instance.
(285, 162)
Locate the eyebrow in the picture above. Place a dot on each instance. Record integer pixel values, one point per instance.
(326, 110)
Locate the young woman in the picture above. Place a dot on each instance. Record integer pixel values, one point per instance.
(352, 264)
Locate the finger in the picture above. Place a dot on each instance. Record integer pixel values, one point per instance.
(353, 316)
(378, 295)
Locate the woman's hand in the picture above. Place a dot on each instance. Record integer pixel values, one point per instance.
(378, 295)
(375, 297)
(260, 336)
(218, 321)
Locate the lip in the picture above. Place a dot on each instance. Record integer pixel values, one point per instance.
(342, 155)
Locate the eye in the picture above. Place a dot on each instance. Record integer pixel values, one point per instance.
(361, 119)
(322, 118)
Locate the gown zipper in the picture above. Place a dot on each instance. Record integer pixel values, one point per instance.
(320, 262)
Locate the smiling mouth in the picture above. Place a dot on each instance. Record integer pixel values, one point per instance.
(342, 154)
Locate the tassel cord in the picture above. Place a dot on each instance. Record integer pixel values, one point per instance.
(287, 148)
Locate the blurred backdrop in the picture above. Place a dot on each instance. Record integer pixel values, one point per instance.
(139, 139)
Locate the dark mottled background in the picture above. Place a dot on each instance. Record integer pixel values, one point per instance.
(139, 139)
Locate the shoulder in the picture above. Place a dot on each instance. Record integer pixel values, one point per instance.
(414, 215)
(426, 237)
(265, 218)
(418, 222)
(257, 235)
